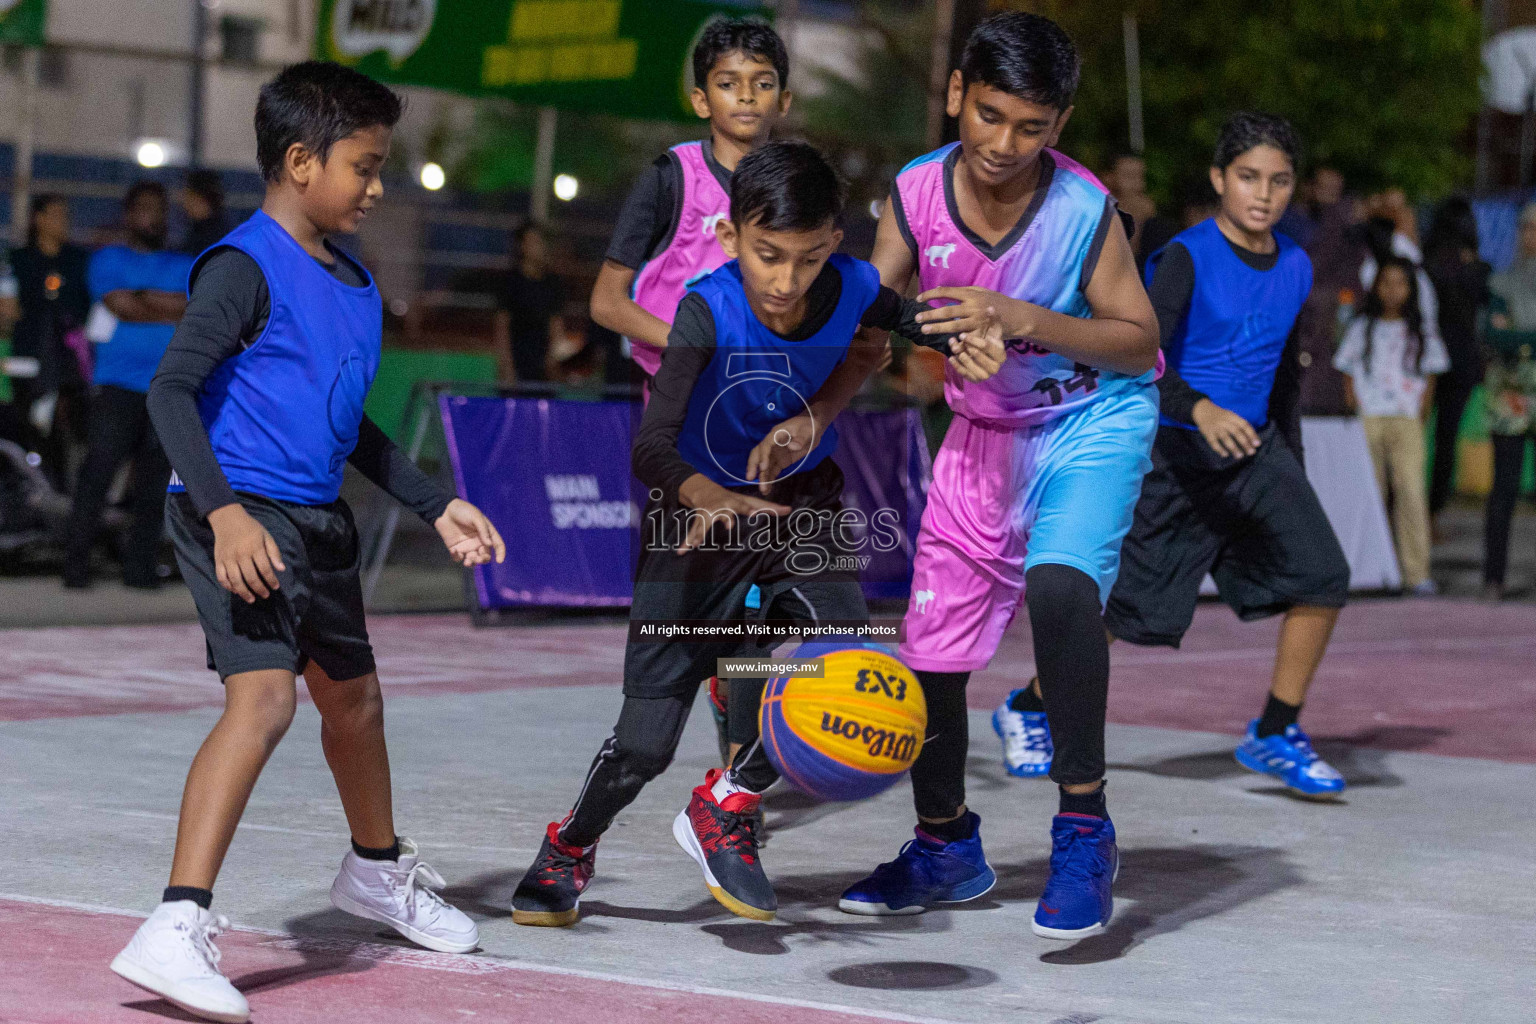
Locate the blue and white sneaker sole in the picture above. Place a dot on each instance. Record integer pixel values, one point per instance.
(974, 889)
(1253, 764)
(1023, 771)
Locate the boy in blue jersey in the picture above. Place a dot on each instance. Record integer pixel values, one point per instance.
(259, 404)
(748, 341)
(143, 285)
(1227, 494)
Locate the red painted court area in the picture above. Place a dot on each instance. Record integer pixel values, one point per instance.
(1445, 677)
(51, 973)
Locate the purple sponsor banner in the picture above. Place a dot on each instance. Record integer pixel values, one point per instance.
(554, 477)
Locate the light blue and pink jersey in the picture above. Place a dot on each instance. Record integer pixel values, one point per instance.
(1043, 462)
(689, 254)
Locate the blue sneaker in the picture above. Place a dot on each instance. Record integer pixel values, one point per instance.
(927, 871)
(1079, 896)
(1291, 759)
(1026, 736)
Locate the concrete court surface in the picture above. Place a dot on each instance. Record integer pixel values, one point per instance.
(1410, 900)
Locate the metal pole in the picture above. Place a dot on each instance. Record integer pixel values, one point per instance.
(1138, 137)
(21, 184)
(197, 85)
(544, 163)
(938, 69)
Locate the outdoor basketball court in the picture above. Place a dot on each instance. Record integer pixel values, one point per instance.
(1409, 901)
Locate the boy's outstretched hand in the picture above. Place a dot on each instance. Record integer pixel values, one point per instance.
(468, 535)
(978, 355)
(717, 505)
(785, 445)
(245, 557)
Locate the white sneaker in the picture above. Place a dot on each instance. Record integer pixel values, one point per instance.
(173, 955)
(399, 894)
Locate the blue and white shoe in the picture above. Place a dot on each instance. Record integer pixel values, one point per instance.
(1290, 758)
(928, 871)
(1079, 896)
(1026, 736)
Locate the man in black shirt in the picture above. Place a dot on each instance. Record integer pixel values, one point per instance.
(528, 309)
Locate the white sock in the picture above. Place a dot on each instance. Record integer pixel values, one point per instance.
(725, 785)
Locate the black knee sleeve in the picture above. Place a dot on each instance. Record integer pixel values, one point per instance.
(1072, 660)
(938, 775)
(743, 700)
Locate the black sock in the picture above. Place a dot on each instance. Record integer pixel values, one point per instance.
(386, 853)
(1027, 700)
(954, 830)
(202, 897)
(1084, 803)
(1277, 717)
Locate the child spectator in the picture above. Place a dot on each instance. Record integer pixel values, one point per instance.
(1390, 362)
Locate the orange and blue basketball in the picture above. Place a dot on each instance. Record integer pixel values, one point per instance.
(851, 733)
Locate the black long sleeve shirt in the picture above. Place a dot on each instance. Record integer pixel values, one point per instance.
(1173, 287)
(227, 311)
(691, 346)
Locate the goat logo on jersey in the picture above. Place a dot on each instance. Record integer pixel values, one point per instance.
(938, 254)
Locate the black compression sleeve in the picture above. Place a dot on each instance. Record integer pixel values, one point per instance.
(1173, 285)
(690, 347)
(221, 316)
(891, 312)
(381, 461)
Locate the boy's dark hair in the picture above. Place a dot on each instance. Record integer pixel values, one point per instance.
(751, 36)
(785, 186)
(207, 185)
(317, 104)
(1247, 129)
(141, 188)
(1023, 55)
(1372, 310)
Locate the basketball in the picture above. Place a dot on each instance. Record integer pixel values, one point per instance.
(853, 732)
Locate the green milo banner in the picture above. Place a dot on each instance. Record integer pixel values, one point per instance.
(22, 21)
(623, 57)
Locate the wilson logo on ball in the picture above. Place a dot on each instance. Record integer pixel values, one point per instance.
(849, 732)
(895, 746)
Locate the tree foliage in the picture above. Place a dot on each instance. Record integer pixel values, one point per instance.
(1384, 90)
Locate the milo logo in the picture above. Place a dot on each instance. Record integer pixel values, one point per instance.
(398, 27)
(886, 743)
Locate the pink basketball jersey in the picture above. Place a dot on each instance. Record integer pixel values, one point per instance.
(690, 253)
(1040, 261)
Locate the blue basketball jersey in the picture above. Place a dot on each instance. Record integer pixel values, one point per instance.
(757, 379)
(284, 414)
(1229, 344)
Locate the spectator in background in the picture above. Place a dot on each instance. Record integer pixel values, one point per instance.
(202, 199)
(52, 306)
(528, 308)
(1322, 224)
(1390, 230)
(1390, 363)
(144, 287)
(1126, 179)
(1510, 391)
(1460, 278)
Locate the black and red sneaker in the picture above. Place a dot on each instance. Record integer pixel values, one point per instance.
(722, 838)
(548, 894)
